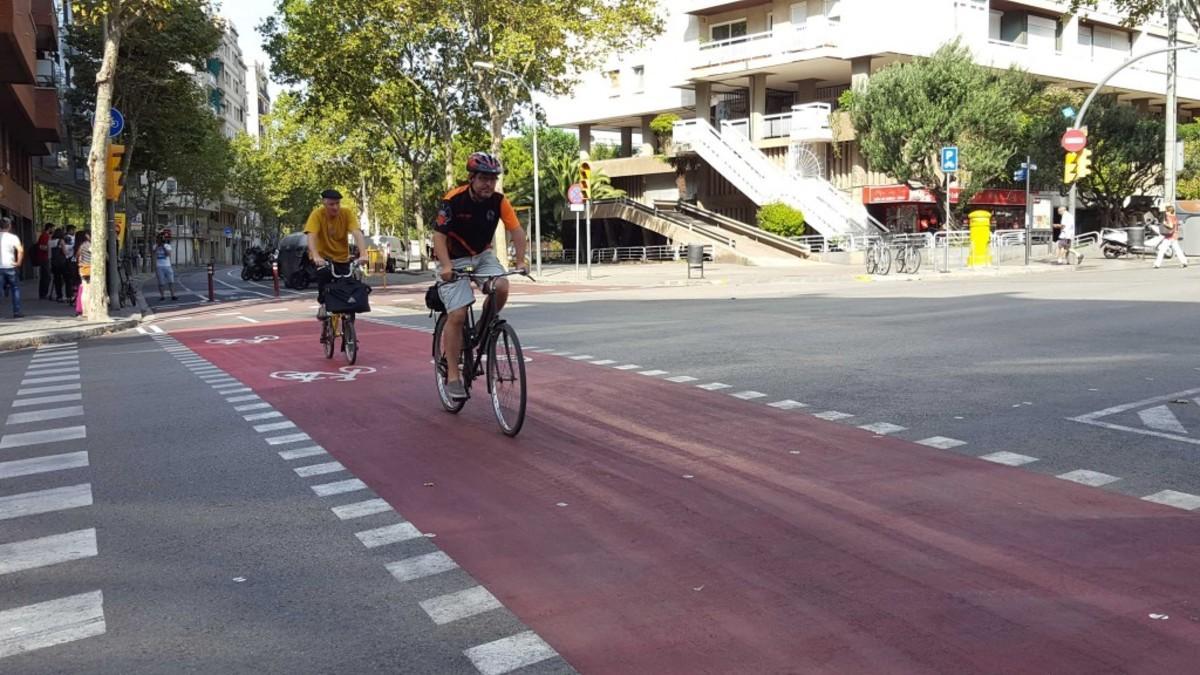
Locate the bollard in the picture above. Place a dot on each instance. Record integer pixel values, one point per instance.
(275, 276)
(212, 294)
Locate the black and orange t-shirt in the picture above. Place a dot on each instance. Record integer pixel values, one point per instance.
(470, 224)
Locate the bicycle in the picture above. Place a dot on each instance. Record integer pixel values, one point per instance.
(908, 259)
(491, 340)
(339, 324)
(879, 258)
(126, 289)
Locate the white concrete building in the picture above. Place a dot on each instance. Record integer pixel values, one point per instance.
(741, 67)
(260, 97)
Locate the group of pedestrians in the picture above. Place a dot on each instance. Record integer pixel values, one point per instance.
(64, 261)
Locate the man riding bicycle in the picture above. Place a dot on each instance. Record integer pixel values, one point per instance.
(328, 228)
(462, 238)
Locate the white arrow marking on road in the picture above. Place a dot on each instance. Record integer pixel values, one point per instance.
(1161, 418)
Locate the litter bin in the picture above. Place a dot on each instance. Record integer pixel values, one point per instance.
(1136, 236)
(695, 259)
(981, 239)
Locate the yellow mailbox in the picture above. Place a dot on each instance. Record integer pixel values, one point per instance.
(981, 238)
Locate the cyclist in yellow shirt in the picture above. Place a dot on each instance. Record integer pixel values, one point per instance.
(329, 228)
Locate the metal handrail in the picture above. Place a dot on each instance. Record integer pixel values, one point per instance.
(742, 229)
(655, 211)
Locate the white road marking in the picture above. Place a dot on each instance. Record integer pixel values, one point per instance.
(941, 442)
(51, 371)
(388, 534)
(1161, 418)
(360, 509)
(45, 624)
(46, 464)
(1086, 477)
(42, 400)
(43, 436)
(627, 366)
(49, 389)
(48, 380)
(602, 362)
(681, 379)
(261, 416)
(156, 329)
(510, 653)
(1180, 500)
(832, 415)
(47, 361)
(1009, 458)
(310, 451)
(45, 501)
(883, 428)
(51, 550)
(44, 415)
(582, 357)
(652, 373)
(421, 566)
(290, 438)
(787, 404)
(248, 319)
(228, 314)
(748, 395)
(273, 311)
(713, 386)
(318, 469)
(275, 426)
(338, 487)
(451, 607)
(239, 399)
(225, 389)
(58, 346)
(1093, 418)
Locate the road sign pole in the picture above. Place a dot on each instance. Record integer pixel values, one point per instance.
(588, 206)
(946, 229)
(576, 244)
(1028, 211)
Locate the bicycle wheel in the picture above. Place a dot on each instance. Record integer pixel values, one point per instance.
(327, 337)
(439, 368)
(872, 263)
(914, 260)
(506, 379)
(349, 339)
(885, 260)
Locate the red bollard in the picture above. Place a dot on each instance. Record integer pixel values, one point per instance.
(212, 294)
(275, 276)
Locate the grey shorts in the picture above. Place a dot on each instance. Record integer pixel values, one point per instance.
(166, 275)
(1064, 243)
(459, 294)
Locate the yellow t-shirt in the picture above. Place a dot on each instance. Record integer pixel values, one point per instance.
(332, 235)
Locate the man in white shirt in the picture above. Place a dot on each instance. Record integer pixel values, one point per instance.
(1066, 234)
(162, 263)
(12, 254)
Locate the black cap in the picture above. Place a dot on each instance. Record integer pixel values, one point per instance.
(331, 194)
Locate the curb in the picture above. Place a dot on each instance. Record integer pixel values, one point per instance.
(66, 335)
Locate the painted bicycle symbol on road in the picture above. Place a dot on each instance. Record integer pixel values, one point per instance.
(344, 374)
(257, 340)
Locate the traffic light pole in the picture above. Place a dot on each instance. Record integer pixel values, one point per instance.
(110, 270)
(1028, 210)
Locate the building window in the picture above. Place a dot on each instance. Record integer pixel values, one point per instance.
(729, 30)
(639, 79)
(614, 81)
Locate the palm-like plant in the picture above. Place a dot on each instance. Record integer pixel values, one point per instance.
(563, 172)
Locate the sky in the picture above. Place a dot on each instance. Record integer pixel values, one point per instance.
(246, 15)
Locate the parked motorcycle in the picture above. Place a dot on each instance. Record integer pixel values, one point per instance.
(1120, 242)
(256, 264)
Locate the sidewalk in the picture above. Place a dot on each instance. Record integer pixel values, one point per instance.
(48, 322)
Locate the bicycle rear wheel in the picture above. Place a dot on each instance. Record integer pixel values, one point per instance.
(885, 261)
(872, 261)
(439, 368)
(506, 379)
(914, 259)
(327, 337)
(349, 339)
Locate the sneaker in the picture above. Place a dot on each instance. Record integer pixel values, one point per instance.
(456, 391)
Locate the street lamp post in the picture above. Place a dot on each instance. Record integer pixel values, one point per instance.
(537, 203)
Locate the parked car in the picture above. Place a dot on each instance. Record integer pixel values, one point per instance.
(397, 255)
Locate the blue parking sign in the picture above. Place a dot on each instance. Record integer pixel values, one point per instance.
(950, 159)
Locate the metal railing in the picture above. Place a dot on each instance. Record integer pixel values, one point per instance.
(739, 228)
(641, 253)
(672, 218)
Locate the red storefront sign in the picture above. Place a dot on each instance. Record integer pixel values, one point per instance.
(902, 194)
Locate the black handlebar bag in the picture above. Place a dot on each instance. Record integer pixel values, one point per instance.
(347, 296)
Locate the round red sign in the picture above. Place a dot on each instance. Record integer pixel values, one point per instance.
(1074, 140)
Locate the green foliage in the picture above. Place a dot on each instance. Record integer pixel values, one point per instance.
(1136, 12)
(602, 151)
(779, 218)
(1189, 176)
(59, 206)
(663, 126)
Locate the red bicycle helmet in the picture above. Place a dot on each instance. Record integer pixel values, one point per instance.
(483, 162)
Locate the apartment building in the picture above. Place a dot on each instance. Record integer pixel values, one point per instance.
(771, 72)
(260, 94)
(30, 116)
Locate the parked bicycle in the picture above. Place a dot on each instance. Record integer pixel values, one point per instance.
(341, 324)
(491, 344)
(126, 291)
(879, 257)
(908, 259)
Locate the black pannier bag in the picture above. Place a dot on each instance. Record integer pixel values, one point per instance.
(347, 296)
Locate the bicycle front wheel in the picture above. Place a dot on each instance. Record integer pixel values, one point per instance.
(914, 260)
(872, 263)
(506, 379)
(885, 261)
(439, 368)
(327, 337)
(349, 339)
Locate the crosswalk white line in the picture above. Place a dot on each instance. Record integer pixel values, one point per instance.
(240, 399)
(582, 357)
(290, 438)
(45, 501)
(602, 362)
(59, 369)
(1180, 500)
(1087, 477)
(942, 442)
(262, 416)
(339, 487)
(55, 622)
(49, 389)
(454, 606)
(275, 426)
(883, 428)
(1009, 458)
(43, 436)
(252, 406)
(421, 566)
(213, 377)
(310, 451)
(44, 415)
(51, 550)
(681, 379)
(42, 400)
(748, 395)
(388, 534)
(318, 469)
(508, 654)
(787, 404)
(627, 366)
(832, 415)
(713, 386)
(58, 348)
(361, 509)
(57, 358)
(46, 464)
(223, 381)
(652, 373)
(48, 380)
(234, 390)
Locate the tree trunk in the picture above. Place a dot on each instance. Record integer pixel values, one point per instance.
(418, 216)
(496, 123)
(96, 307)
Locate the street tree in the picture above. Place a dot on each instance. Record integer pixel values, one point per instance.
(909, 111)
(1189, 179)
(1126, 149)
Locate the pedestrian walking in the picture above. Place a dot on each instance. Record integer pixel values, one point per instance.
(12, 254)
(1065, 234)
(163, 268)
(83, 254)
(71, 268)
(41, 258)
(1170, 240)
(58, 265)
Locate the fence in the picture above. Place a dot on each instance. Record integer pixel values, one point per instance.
(633, 254)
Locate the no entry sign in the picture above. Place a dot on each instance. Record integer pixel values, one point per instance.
(1074, 140)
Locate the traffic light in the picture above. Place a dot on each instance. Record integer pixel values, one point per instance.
(1083, 165)
(585, 180)
(113, 180)
(1071, 168)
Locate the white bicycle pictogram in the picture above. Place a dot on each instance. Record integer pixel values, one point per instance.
(344, 374)
(257, 340)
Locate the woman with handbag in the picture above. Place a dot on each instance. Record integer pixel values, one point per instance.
(1170, 240)
(83, 254)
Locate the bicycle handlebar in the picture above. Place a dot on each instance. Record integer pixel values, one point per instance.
(470, 274)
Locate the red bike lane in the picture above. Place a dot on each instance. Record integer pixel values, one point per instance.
(642, 526)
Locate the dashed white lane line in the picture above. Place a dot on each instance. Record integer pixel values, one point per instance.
(290, 438)
(43, 436)
(602, 362)
(627, 366)
(277, 310)
(252, 406)
(50, 623)
(1180, 500)
(713, 386)
(1009, 458)
(942, 442)
(1086, 477)
(748, 395)
(43, 400)
(263, 415)
(421, 566)
(883, 428)
(388, 534)
(681, 379)
(582, 357)
(240, 399)
(339, 487)
(45, 501)
(832, 415)
(274, 426)
(454, 606)
(508, 654)
(787, 404)
(44, 551)
(248, 319)
(652, 373)
(46, 464)
(227, 314)
(45, 415)
(311, 451)
(361, 509)
(318, 469)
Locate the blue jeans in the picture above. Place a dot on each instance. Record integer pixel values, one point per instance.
(10, 282)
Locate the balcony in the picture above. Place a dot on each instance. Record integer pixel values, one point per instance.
(18, 38)
(768, 44)
(808, 122)
(46, 24)
(47, 117)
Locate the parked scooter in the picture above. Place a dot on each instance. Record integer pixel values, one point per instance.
(1115, 242)
(256, 264)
